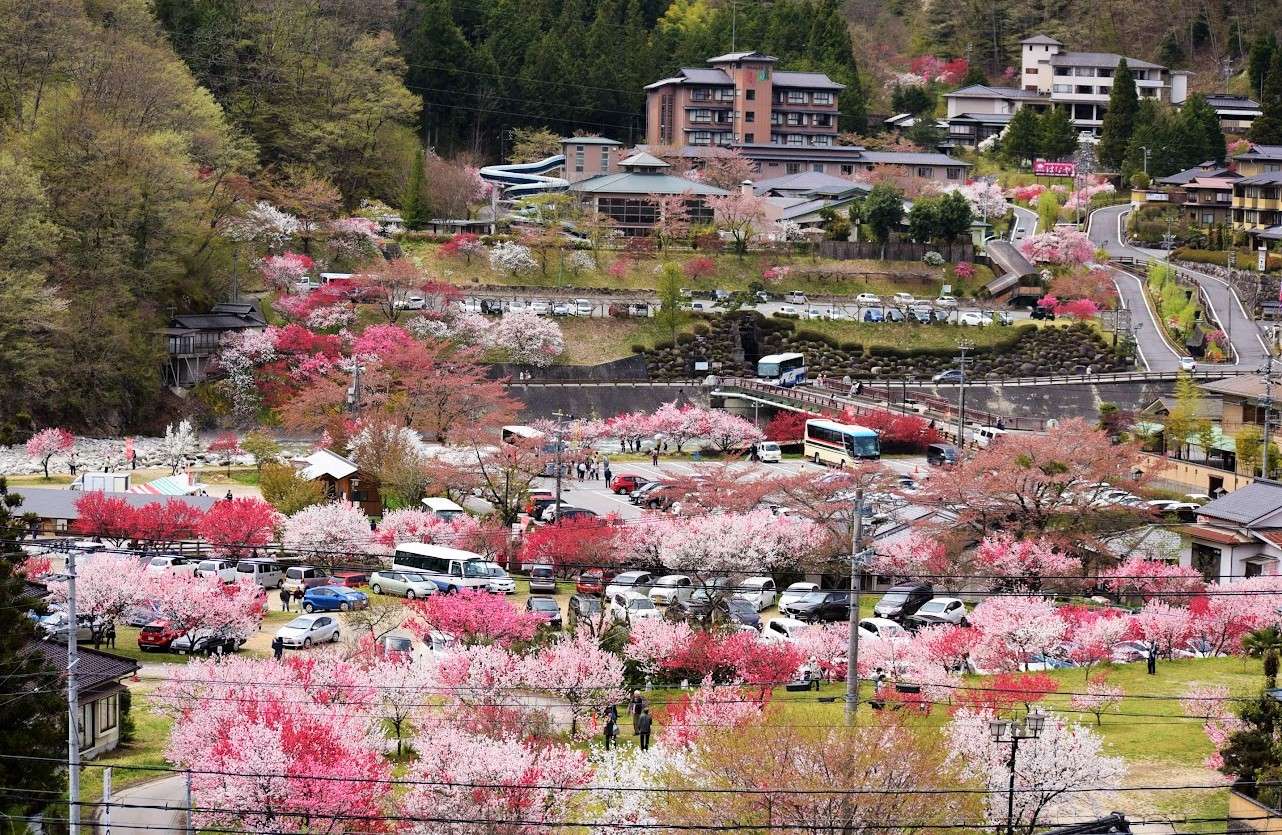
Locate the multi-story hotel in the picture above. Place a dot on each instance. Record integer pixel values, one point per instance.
(1257, 194)
(742, 100)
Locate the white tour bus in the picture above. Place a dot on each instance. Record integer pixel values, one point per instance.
(829, 442)
(449, 568)
(782, 369)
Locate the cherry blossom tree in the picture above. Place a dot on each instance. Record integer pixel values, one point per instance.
(240, 354)
(1093, 639)
(986, 199)
(1235, 608)
(283, 272)
(617, 809)
(405, 690)
(475, 617)
(197, 606)
(583, 676)
(916, 554)
(226, 444)
(653, 640)
(680, 424)
(742, 215)
(330, 531)
(709, 707)
(727, 169)
(105, 517)
(572, 544)
(827, 645)
(179, 444)
(464, 783)
(390, 284)
(1064, 759)
(248, 729)
(512, 258)
(410, 524)
(673, 222)
(1100, 697)
(47, 443)
(236, 527)
(465, 245)
(1061, 246)
(762, 663)
(1141, 577)
(107, 585)
(266, 224)
(1026, 563)
(1211, 703)
(528, 339)
(727, 432)
(1015, 626)
(162, 526)
(1004, 693)
(1164, 625)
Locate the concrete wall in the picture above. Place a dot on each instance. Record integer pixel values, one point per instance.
(1055, 401)
(1195, 478)
(541, 401)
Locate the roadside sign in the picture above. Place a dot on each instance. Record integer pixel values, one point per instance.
(1042, 168)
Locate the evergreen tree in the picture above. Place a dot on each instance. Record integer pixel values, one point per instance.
(33, 717)
(1259, 59)
(1169, 52)
(413, 208)
(1056, 136)
(923, 220)
(955, 216)
(913, 99)
(1157, 129)
(1267, 128)
(1201, 126)
(1020, 142)
(883, 208)
(974, 75)
(1119, 119)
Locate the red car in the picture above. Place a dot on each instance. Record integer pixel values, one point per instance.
(594, 580)
(157, 635)
(350, 579)
(627, 483)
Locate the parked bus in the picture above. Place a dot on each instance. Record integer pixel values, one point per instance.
(829, 442)
(512, 434)
(782, 369)
(449, 568)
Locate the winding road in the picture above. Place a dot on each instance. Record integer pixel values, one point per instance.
(1105, 229)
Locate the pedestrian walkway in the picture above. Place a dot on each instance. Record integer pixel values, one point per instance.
(149, 808)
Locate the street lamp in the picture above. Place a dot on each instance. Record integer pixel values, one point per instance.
(1010, 732)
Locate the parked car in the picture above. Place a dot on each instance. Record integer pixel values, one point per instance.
(795, 592)
(626, 483)
(940, 454)
(304, 577)
(1039, 312)
(157, 636)
(903, 299)
(563, 309)
(584, 307)
(638, 495)
(759, 591)
(874, 315)
(305, 630)
(333, 598)
(738, 611)
(546, 608)
(973, 318)
(920, 315)
(986, 436)
(54, 626)
(795, 297)
(948, 375)
(668, 588)
(895, 316)
(768, 452)
(945, 300)
(629, 605)
(820, 606)
(543, 579)
(638, 581)
(867, 299)
(166, 564)
(880, 628)
(550, 513)
(787, 310)
(444, 509)
(539, 307)
(142, 614)
(402, 584)
(397, 646)
(903, 600)
(782, 629)
(206, 642)
(493, 307)
(500, 581)
(814, 313)
(583, 606)
(414, 302)
(592, 581)
(350, 579)
(224, 570)
(266, 573)
(836, 314)
(939, 610)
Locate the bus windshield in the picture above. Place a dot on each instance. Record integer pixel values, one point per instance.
(862, 447)
(476, 569)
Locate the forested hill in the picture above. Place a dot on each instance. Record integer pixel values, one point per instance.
(483, 66)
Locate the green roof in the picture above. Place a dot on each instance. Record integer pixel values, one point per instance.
(636, 183)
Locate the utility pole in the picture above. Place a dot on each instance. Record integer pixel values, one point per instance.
(1231, 262)
(1267, 403)
(857, 556)
(560, 433)
(188, 829)
(354, 391)
(73, 703)
(962, 346)
(1146, 153)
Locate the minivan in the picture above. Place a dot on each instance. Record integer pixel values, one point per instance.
(985, 436)
(795, 297)
(903, 600)
(442, 508)
(266, 573)
(542, 579)
(304, 577)
(941, 454)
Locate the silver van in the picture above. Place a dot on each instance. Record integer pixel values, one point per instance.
(543, 579)
(266, 573)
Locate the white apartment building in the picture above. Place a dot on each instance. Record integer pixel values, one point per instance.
(1082, 81)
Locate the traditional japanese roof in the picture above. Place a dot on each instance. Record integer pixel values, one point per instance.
(987, 91)
(910, 158)
(1250, 386)
(94, 668)
(982, 118)
(1211, 183)
(640, 183)
(1257, 505)
(695, 75)
(1224, 101)
(808, 183)
(732, 57)
(1270, 178)
(588, 140)
(323, 462)
(1210, 534)
(1261, 152)
(809, 80)
(1206, 169)
(643, 160)
(1100, 59)
(1042, 39)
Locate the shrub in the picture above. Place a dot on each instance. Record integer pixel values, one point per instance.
(933, 259)
(685, 338)
(702, 329)
(664, 345)
(638, 349)
(702, 267)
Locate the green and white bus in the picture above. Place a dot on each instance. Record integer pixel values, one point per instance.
(829, 442)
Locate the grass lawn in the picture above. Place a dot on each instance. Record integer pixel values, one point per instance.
(913, 336)
(591, 341)
(151, 734)
(247, 476)
(38, 480)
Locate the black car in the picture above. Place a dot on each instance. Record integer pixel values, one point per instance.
(894, 315)
(903, 600)
(920, 314)
(1039, 312)
(493, 307)
(736, 610)
(821, 606)
(584, 606)
(547, 608)
(941, 454)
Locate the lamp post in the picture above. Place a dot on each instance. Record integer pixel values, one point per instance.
(963, 346)
(1011, 732)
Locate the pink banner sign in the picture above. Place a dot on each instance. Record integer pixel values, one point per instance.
(1042, 168)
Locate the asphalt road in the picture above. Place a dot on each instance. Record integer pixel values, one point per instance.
(1025, 224)
(1105, 229)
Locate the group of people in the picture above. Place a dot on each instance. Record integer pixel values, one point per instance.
(642, 721)
(286, 595)
(589, 468)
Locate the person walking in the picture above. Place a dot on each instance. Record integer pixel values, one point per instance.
(606, 472)
(111, 635)
(636, 704)
(298, 598)
(1152, 658)
(284, 600)
(580, 468)
(611, 723)
(643, 725)
(278, 648)
(654, 457)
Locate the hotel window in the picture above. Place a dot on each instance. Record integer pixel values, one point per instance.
(796, 139)
(776, 139)
(823, 98)
(724, 94)
(701, 137)
(1102, 73)
(792, 168)
(796, 97)
(817, 167)
(925, 171)
(825, 141)
(750, 116)
(822, 120)
(605, 159)
(794, 120)
(750, 95)
(847, 170)
(776, 118)
(953, 173)
(750, 138)
(700, 115)
(578, 159)
(700, 95)
(724, 139)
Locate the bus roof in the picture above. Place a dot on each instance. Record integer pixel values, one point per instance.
(523, 431)
(427, 550)
(439, 503)
(852, 428)
(781, 357)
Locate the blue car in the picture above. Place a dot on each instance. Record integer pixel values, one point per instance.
(873, 315)
(334, 598)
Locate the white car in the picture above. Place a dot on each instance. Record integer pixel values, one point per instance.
(517, 306)
(500, 581)
(973, 317)
(411, 303)
(795, 592)
(563, 309)
(638, 581)
(814, 313)
(584, 307)
(630, 605)
(876, 628)
(836, 315)
(768, 452)
(939, 610)
(668, 587)
(1188, 364)
(945, 301)
(539, 307)
(224, 570)
(782, 629)
(903, 299)
(787, 310)
(181, 566)
(305, 630)
(759, 591)
(868, 299)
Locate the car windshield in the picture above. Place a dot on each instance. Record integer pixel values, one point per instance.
(770, 447)
(589, 604)
(415, 578)
(934, 606)
(160, 561)
(543, 605)
(208, 565)
(894, 598)
(299, 623)
(739, 605)
(814, 597)
(640, 603)
(476, 569)
(668, 581)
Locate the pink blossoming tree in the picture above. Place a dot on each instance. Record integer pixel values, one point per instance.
(47, 443)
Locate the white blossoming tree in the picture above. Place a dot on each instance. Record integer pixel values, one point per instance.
(528, 339)
(179, 444)
(512, 258)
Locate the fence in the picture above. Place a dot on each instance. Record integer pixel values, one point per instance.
(895, 250)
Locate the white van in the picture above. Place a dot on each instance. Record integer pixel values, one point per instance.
(266, 573)
(985, 435)
(443, 509)
(449, 568)
(768, 452)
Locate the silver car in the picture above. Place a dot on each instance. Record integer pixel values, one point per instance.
(401, 583)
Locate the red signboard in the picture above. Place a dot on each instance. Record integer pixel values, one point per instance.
(1042, 168)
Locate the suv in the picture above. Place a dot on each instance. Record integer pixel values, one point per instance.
(542, 579)
(903, 600)
(820, 606)
(157, 636)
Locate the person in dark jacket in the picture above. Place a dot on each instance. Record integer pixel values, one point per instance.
(278, 648)
(298, 597)
(284, 600)
(611, 724)
(643, 729)
(637, 704)
(1152, 659)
